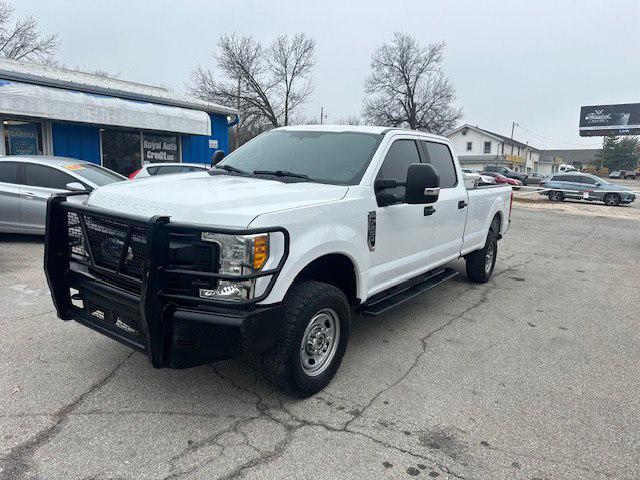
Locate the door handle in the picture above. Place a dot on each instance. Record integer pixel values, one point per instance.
(429, 211)
(462, 204)
(29, 195)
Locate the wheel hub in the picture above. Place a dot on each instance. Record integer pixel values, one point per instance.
(320, 342)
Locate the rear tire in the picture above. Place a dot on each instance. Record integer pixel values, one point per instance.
(313, 339)
(612, 199)
(480, 263)
(556, 196)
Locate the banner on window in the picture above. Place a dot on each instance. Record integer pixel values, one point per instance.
(23, 139)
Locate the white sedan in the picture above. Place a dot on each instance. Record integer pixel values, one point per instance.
(484, 179)
(150, 169)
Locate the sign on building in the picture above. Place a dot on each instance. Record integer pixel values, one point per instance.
(603, 120)
(160, 148)
(23, 139)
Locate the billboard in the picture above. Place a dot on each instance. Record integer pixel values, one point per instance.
(603, 120)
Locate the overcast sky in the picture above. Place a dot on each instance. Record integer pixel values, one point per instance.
(533, 62)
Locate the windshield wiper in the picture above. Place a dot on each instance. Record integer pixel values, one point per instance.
(231, 169)
(284, 173)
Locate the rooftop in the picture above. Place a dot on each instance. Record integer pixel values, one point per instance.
(89, 83)
(497, 135)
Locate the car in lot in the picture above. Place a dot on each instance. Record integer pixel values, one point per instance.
(535, 178)
(273, 248)
(484, 179)
(150, 169)
(26, 183)
(502, 179)
(586, 187)
(507, 172)
(623, 174)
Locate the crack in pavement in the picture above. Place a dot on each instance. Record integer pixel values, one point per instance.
(17, 461)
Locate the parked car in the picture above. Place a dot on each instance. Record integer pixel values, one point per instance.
(502, 179)
(26, 182)
(507, 172)
(274, 248)
(150, 169)
(565, 167)
(484, 179)
(623, 174)
(586, 187)
(535, 178)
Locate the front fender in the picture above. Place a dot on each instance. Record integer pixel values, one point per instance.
(332, 228)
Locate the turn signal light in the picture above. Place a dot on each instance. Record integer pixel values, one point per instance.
(260, 251)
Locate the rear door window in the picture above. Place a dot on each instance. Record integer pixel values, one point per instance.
(9, 172)
(46, 177)
(440, 157)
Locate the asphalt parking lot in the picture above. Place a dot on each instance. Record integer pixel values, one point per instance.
(535, 375)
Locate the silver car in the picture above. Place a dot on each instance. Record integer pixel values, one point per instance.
(26, 182)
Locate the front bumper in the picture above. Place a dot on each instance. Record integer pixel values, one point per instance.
(174, 331)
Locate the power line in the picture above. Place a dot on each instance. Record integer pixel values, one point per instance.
(553, 140)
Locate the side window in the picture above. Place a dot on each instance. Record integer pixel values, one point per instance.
(442, 160)
(46, 177)
(585, 180)
(8, 172)
(469, 146)
(487, 147)
(396, 164)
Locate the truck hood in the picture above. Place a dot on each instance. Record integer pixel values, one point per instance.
(216, 200)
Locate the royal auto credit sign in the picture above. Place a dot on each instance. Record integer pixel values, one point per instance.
(160, 148)
(601, 120)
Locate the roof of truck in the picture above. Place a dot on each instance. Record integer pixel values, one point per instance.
(355, 128)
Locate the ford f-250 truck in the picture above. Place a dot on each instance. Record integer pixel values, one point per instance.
(273, 249)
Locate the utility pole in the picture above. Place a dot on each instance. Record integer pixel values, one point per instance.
(322, 115)
(513, 126)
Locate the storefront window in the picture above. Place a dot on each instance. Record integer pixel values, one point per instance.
(121, 151)
(22, 138)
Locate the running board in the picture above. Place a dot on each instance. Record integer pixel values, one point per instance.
(404, 292)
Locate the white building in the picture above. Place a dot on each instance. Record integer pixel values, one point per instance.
(477, 148)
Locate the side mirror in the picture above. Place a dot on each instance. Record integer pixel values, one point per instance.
(75, 187)
(423, 184)
(598, 184)
(217, 157)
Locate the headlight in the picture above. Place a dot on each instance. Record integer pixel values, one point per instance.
(239, 255)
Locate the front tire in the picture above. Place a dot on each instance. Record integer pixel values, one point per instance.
(480, 263)
(313, 339)
(612, 199)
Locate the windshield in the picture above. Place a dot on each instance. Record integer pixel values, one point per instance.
(96, 174)
(329, 157)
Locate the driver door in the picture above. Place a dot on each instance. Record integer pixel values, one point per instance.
(404, 233)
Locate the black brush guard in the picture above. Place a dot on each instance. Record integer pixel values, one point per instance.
(175, 330)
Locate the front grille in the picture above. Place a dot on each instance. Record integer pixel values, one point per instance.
(113, 250)
(110, 240)
(113, 316)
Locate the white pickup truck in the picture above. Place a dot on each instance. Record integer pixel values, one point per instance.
(273, 249)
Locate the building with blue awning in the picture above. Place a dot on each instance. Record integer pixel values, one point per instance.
(115, 123)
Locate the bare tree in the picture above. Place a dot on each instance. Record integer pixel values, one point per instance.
(268, 85)
(407, 87)
(349, 120)
(22, 40)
